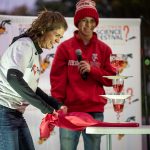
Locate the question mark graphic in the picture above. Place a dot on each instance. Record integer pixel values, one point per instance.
(126, 29)
(130, 92)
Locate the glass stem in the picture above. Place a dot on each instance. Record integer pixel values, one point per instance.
(118, 117)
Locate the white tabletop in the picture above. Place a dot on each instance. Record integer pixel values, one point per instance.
(144, 129)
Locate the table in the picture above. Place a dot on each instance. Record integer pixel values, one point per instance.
(144, 129)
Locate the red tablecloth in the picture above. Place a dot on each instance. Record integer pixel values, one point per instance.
(75, 121)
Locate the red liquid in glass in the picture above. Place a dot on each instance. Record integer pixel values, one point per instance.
(119, 64)
(118, 87)
(118, 107)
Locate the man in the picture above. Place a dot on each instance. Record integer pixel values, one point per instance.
(77, 74)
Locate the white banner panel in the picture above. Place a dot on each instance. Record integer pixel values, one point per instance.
(123, 36)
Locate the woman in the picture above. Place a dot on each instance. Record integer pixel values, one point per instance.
(19, 76)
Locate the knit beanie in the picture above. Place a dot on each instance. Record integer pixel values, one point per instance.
(85, 8)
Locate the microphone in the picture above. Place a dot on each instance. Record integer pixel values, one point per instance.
(79, 57)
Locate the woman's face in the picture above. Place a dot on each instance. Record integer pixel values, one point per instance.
(50, 38)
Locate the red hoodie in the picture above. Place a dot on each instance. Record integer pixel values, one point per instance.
(67, 84)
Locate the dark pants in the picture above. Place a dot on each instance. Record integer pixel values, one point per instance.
(14, 132)
(69, 139)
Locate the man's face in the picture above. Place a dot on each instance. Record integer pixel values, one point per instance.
(86, 26)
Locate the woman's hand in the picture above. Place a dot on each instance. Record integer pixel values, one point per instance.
(64, 109)
(55, 113)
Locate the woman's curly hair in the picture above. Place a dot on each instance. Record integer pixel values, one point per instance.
(45, 22)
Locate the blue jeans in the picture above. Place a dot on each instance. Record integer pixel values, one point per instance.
(69, 139)
(14, 132)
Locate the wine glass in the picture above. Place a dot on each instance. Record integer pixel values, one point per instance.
(118, 84)
(119, 62)
(118, 105)
(124, 63)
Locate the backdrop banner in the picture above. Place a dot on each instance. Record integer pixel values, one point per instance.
(123, 36)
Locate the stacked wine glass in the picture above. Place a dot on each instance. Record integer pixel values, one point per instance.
(119, 63)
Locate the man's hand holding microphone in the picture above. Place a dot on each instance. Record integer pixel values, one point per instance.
(84, 66)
